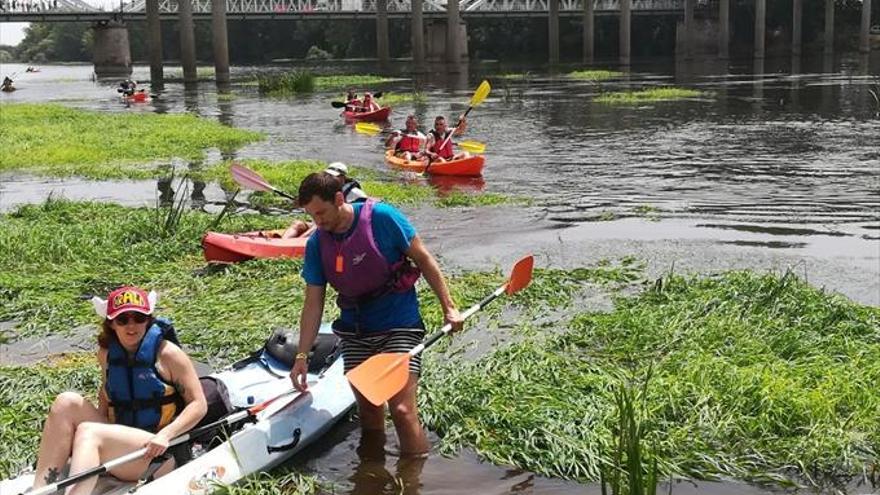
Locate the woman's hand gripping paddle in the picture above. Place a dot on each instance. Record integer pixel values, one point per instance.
(249, 179)
(384, 375)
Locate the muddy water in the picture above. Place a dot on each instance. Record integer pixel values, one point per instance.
(776, 166)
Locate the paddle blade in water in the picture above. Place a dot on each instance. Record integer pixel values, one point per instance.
(248, 179)
(472, 146)
(521, 275)
(481, 93)
(367, 128)
(381, 377)
(337, 104)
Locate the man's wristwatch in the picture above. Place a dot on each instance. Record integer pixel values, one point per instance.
(301, 355)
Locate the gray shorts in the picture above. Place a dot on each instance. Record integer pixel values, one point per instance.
(357, 349)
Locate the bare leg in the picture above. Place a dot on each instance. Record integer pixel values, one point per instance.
(96, 443)
(67, 412)
(372, 417)
(405, 414)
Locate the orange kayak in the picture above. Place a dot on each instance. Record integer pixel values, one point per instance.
(232, 248)
(470, 167)
(374, 116)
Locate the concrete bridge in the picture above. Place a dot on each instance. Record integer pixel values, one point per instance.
(446, 35)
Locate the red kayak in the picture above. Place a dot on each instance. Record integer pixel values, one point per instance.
(140, 96)
(232, 248)
(374, 116)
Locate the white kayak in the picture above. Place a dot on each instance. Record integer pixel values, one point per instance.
(281, 430)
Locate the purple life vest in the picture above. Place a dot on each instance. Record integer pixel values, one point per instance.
(356, 268)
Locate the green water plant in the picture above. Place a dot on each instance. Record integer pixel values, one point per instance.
(357, 81)
(399, 98)
(785, 369)
(595, 75)
(647, 95)
(51, 139)
(287, 83)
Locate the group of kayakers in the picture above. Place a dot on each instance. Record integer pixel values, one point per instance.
(358, 105)
(366, 250)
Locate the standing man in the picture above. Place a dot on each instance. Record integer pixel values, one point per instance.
(364, 251)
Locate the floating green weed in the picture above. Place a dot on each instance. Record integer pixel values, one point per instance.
(756, 377)
(595, 75)
(515, 76)
(287, 83)
(357, 81)
(647, 95)
(55, 140)
(398, 98)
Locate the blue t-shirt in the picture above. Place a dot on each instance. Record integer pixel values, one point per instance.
(393, 234)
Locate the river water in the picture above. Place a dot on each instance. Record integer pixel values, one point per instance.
(775, 166)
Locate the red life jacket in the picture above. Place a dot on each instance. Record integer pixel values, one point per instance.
(410, 142)
(445, 152)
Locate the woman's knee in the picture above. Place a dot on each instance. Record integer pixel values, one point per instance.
(66, 403)
(87, 432)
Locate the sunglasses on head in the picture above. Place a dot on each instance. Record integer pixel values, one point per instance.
(136, 317)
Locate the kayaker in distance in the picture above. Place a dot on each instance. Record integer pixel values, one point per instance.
(407, 143)
(7, 85)
(352, 103)
(127, 87)
(437, 136)
(368, 105)
(149, 395)
(351, 190)
(364, 251)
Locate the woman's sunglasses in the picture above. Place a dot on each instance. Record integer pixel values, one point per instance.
(136, 317)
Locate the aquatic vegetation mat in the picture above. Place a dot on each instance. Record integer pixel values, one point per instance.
(647, 96)
(595, 75)
(758, 377)
(61, 141)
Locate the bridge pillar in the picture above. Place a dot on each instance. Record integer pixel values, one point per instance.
(797, 10)
(112, 54)
(724, 31)
(589, 32)
(453, 35)
(760, 27)
(418, 37)
(383, 52)
(553, 32)
(187, 41)
(829, 26)
(440, 49)
(689, 29)
(625, 31)
(220, 40)
(154, 41)
(864, 35)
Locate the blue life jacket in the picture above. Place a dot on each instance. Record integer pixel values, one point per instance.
(137, 394)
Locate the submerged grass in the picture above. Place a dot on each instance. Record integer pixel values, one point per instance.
(595, 75)
(398, 98)
(303, 81)
(755, 377)
(357, 81)
(56, 140)
(647, 95)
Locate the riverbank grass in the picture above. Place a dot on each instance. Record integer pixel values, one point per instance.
(647, 96)
(61, 141)
(752, 377)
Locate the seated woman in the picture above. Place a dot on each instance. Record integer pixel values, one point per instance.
(369, 104)
(150, 395)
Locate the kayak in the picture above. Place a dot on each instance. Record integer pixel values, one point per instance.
(374, 116)
(140, 96)
(470, 167)
(284, 428)
(232, 248)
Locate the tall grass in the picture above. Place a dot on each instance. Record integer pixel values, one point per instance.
(755, 377)
(286, 83)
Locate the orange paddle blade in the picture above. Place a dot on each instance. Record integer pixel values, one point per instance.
(381, 377)
(521, 275)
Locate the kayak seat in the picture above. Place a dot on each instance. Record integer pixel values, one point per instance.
(283, 343)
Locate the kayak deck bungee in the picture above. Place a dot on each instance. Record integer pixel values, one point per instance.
(233, 248)
(466, 167)
(280, 431)
(374, 116)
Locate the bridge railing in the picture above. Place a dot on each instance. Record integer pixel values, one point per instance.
(304, 6)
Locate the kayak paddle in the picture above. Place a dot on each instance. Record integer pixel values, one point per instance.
(384, 375)
(371, 128)
(367, 128)
(249, 179)
(139, 454)
(472, 146)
